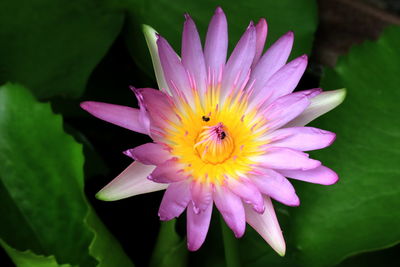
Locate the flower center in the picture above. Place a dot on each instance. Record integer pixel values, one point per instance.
(214, 144)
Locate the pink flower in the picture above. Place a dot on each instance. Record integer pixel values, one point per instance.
(225, 133)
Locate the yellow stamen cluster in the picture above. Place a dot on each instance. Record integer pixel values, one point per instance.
(214, 141)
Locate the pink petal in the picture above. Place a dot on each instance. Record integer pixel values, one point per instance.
(197, 226)
(168, 172)
(201, 195)
(151, 39)
(274, 185)
(285, 109)
(301, 138)
(238, 66)
(319, 175)
(275, 58)
(284, 81)
(175, 73)
(149, 154)
(320, 105)
(175, 200)
(159, 108)
(261, 36)
(248, 192)
(126, 117)
(132, 181)
(192, 54)
(287, 159)
(231, 208)
(267, 226)
(216, 45)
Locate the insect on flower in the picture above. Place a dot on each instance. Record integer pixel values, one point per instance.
(224, 132)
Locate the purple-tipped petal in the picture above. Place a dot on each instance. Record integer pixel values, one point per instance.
(238, 66)
(132, 181)
(149, 154)
(201, 195)
(192, 55)
(248, 192)
(320, 105)
(287, 159)
(273, 59)
(126, 117)
(174, 72)
(261, 36)
(175, 200)
(301, 138)
(197, 226)
(168, 172)
(284, 109)
(231, 208)
(319, 175)
(275, 185)
(267, 226)
(151, 39)
(216, 45)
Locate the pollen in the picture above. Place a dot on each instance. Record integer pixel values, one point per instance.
(220, 145)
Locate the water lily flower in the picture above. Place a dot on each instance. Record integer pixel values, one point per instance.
(225, 132)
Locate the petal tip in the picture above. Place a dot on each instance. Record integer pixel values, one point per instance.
(342, 93)
(86, 105)
(334, 179)
(192, 247)
(282, 252)
(101, 195)
(262, 23)
(218, 10)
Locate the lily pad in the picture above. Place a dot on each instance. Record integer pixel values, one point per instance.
(41, 184)
(360, 213)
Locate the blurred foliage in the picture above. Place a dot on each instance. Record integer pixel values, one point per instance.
(166, 17)
(360, 213)
(53, 48)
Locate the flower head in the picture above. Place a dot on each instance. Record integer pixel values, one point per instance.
(224, 132)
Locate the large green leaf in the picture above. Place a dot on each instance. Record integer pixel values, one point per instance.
(42, 187)
(53, 46)
(361, 212)
(167, 18)
(28, 259)
(170, 248)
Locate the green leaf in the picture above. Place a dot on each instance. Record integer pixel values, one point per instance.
(53, 46)
(42, 187)
(167, 18)
(360, 213)
(170, 248)
(28, 258)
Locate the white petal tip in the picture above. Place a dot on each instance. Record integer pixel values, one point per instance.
(101, 195)
(279, 247)
(281, 253)
(341, 94)
(148, 30)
